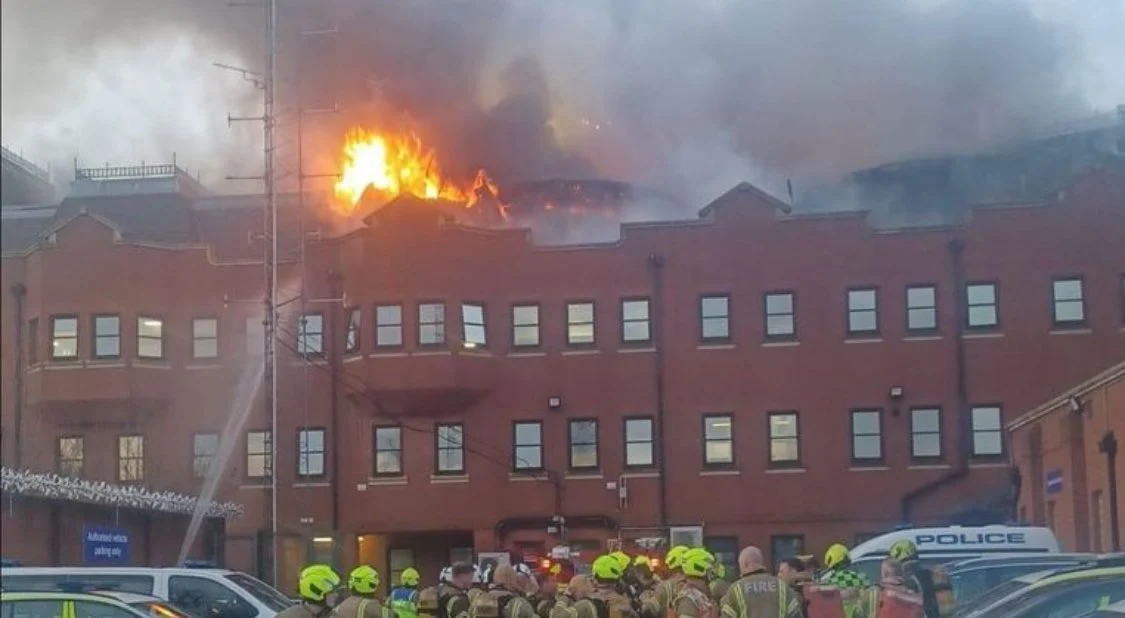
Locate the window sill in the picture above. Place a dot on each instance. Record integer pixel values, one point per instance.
(786, 470)
(530, 477)
(311, 360)
(1072, 331)
(453, 479)
(581, 352)
(475, 352)
(526, 354)
(636, 350)
(987, 335)
(432, 353)
(386, 481)
(152, 364)
(254, 486)
(388, 355)
(989, 464)
(645, 474)
(864, 340)
(310, 484)
(935, 466)
(922, 338)
(579, 476)
(715, 346)
(352, 358)
(63, 365)
(868, 469)
(731, 472)
(202, 367)
(105, 363)
(780, 344)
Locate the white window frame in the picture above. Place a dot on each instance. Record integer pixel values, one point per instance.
(431, 324)
(918, 433)
(388, 326)
(780, 323)
(145, 338)
(379, 468)
(200, 342)
(310, 334)
(972, 323)
(527, 452)
(778, 435)
(917, 308)
(1068, 300)
(636, 321)
(855, 311)
(474, 329)
(648, 457)
(130, 458)
(575, 320)
(449, 438)
(104, 333)
(725, 420)
(572, 428)
(525, 330)
(856, 436)
(976, 413)
(714, 317)
(311, 456)
(259, 457)
(70, 337)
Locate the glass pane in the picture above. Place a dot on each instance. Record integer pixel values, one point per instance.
(64, 348)
(525, 315)
(717, 427)
(583, 432)
(634, 310)
(638, 454)
(528, 433)
(353, 318)
(579, 312)
(920, 297)
(779, 303)
(474, 333)
(310, 464)
(719, 451)
(584, 456)
(388, 314)
(526, 335)
(388, 438)
(635, 331)
(206, 444)
(312, 441)
(638, 429)
(714, 306)
(779, 325)
(1068, 289)
(388, 462)
(580, 333)
(431, 333)
(861, 321)
(984, 315)
(205, 348)
(449, 436)
(861, 299)
(150, 348)
(921, 318)
(925, 420)
(472, 314)
(986, 418)
(529, 457)
(987, 443)
(783, 425)
(783, 449)
(451, 460)
(205, 328)
(867, 447)
(66, 327)
(389, 335)
(107, 346)
(256, 442)
(149, 327)
(927, 445)
(981, 294)
(716, 328)
(107, 325)
(1069, 311)
(314, 324)
(865, 422)
(430, 313)
(313, 343)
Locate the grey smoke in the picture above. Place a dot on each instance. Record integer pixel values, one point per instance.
(688, 96)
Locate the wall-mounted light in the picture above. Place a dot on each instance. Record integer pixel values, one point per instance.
(1075, 405)
(468, 345)
(554, 402)
(896, 392)
(322, 539)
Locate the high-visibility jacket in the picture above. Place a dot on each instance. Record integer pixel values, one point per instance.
(761, 595)
(403, 602)
(356, 606)
(667, 590)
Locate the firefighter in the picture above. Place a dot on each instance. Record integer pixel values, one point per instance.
(403, 600)
(850, 584)
(363, 581)
(317, 587)
(930, 584)
(546, 594)
(718, 582)
(644, 582)
(449, 598)
(757, 593)
(579, 587)
(606, 600)
(693, 597)
(667, 589)
(503, 598)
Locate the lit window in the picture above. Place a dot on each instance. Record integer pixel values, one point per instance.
(983, 310)
(473, 333)
(388, 326)
(714, 318)
(583, 444)
(718, 440)
(64, 337)
(351, 337)
(781, 316)
(1070, 307)
(450, 448)
(150, 337)
(925, 433)
(71, 455)
(867, 436)
(785, 446)
(863, 311)
(634, 321)
(580, 323)
(259, 454)
(525, 326)
(107, 336)
(310, 334)
(204, 338)
(988, 433)
(388, 451)
(204, 448)
(921, 308)
(310, 452)
(528, 447)
(130, 458)
(431, 323)
(639, 442)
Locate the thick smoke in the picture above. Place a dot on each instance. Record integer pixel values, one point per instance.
(683, 95)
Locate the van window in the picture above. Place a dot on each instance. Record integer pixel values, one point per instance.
(33, 609)
(262, 591)
(140, 584)
(92, 609)
(205, 598)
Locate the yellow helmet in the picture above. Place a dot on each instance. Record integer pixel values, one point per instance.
(675, 556)
(622, 558)
(409, 577)
(642, 561)
(719, 571)
(903, 551)
(835, 556)
(363, 580)
(316, 582)
(697, 562)
(607, 568)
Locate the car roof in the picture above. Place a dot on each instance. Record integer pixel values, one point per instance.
(121, 570)
(964, 540)
(127, 597)
(1079, 574)
(987, 562)
(48, 596)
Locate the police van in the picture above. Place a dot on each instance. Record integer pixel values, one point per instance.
(941, 545)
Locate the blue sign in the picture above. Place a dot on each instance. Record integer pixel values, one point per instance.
(1055, 481)
(105, 545)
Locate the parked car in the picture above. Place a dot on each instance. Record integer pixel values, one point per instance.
(155, 607)
(971, 578)
(55, 604)
(1117, 610)
(1062, 593)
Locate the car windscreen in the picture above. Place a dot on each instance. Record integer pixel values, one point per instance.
(159, 609)
(990, 597)
(266, 594)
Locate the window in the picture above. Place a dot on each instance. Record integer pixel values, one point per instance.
(33, 341)
(863, 311)
(398, 560)
(259, 454)
(96, 609)
(431, 323)
(925, 433)
(635, 327)
(388, 326)
(64, 337)
(980, 299)
(1070, 307)
(784, 546)
(867, 436)
(725, 550)
(71, 454)
(203, 450)
(580, 323)
(583, 444)
(150, 337)
(310, 452)
(33, 609)
(351, 337)
(525, 326)
(107, 336)
(310, 334)
(714, 318)
(527, 453)
(785, 442)
(199, 597)
(388, 451)
(718, 440)
(638, 442)
(473, 333)
(204, 338)
(781, 316)
(921, 309)
(461, 554)
(450, 448)
(988, 438)
(130, 458)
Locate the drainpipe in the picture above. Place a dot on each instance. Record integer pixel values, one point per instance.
(1108, 446)
(19, 293)
(656, 268)
(961, 466)
(334, 347)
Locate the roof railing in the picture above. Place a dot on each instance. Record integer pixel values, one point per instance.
(128, 172)
(25, 165)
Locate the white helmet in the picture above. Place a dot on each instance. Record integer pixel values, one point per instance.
(446, 576)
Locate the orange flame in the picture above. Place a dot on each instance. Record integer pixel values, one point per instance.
(394, 165)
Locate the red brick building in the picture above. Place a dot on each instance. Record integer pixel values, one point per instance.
(788, 380)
